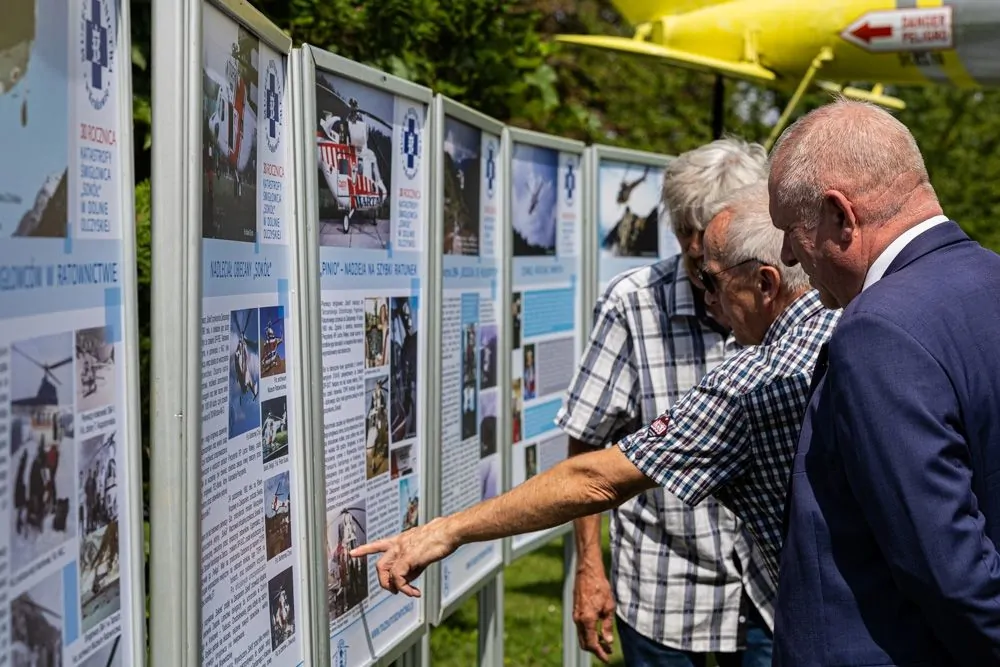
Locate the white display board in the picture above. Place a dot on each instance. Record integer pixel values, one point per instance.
(547, 193)
(364, 141)
(470, 185)
(252, 570)
(71, 551)
(632, 225)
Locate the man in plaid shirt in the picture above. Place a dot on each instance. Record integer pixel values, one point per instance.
(679, 573)
(732, 436)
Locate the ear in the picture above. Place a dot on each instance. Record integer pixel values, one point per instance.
(838, 208)
(769, 283)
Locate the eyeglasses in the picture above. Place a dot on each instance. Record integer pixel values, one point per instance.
(709, 279)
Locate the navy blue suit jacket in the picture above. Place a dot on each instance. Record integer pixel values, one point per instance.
(894, 505)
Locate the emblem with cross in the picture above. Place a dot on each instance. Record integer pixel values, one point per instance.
(272, 109)
(411, 144)
(97, 52)
(570, 182)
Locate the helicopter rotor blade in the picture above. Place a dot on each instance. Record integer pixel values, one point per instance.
(28, 357)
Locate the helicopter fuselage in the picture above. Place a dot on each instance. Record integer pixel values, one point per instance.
(352, 175)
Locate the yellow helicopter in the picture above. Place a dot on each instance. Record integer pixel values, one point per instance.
(793, 45)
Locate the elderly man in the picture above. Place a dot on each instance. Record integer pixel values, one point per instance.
(682, 576)
(894, 512)
(732, 436)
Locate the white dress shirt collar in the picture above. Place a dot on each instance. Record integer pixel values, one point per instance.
(882, 262)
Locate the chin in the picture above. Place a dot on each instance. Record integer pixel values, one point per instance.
(828, 300)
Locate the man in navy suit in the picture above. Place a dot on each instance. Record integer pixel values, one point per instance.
(893, 512)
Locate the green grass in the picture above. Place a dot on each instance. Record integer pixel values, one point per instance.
(532, 616)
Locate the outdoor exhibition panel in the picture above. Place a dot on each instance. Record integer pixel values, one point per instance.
(227, 197)
(632, 226)
(546, 201)
(364, 141)
(468, 187)
(71, 553)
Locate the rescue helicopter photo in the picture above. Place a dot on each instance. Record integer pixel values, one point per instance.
(353, 145)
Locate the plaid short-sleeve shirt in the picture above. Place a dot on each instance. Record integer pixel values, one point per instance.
(735, 435)
(679, 573)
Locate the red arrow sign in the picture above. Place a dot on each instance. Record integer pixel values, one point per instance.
(866, 32)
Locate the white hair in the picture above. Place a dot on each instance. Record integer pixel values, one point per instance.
(853, 146)
(751, 235)
(697, 178)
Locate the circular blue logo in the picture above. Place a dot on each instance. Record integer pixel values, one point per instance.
(411, 143)
(97, 49)
(491, 168)
(570, 181)
(272, 105)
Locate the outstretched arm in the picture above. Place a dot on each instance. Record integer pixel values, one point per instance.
(579, 486)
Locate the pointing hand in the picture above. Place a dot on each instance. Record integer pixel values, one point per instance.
(408, 554)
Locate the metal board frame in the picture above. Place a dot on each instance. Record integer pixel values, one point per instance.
(444, 106)
(175, 562)
(312, 58)
(517, 135)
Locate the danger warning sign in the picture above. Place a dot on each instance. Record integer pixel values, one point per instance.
(902, 30)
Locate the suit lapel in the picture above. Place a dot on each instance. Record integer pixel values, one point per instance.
(935, 238)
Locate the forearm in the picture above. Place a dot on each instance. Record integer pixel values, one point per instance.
(578, 487)
(587, 529)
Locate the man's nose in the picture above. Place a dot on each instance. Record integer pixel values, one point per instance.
(787, 256)
(695, 250)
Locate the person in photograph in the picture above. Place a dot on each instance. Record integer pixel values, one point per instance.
(530, 461)
(516, 412)
(515, 321)
(529, 372)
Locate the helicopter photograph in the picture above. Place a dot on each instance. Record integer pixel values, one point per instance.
(402, 461)
(274, 428)
(409, 503)
(347, 578)
(277, 515)
(281, 597)
(42, 446)
(488, 356)
(628, 211)
(109, 655)
(272, 337)
(376, 426)
(36, 624)
(534, 202)
(100, 573)
(34, 98)
(354, 144)
(95, 369)
(404, 351)
(462, 187)
(469, 383)
(244, 372)
(229, 129)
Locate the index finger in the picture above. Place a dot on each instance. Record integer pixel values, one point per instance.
(376, 547)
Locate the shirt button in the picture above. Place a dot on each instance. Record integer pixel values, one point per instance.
(743, 619)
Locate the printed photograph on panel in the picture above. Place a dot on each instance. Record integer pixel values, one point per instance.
(36, 623)
(628, 210)
(404, 367)
(281, 599)
(277, 515)
(530, 461)
(34, 99)
(462, 184)
(515, 321)
(244, 371)
(376, 426)
(347, 578)
(487, 424)
(488, 356)
(489, 477)
(274, 428)
(229, 128)
(376, 332)
(469, 393)
(535, 174)
(109, 655)
(515, 410)
(95, 369)
(402, 462)
(354, 148)
(272, 335)
(409, 503)
(43, 452)
(530, 381)
(100, 573)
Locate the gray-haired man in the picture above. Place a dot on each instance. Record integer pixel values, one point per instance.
(680, 575)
